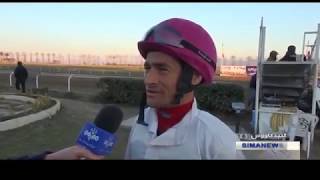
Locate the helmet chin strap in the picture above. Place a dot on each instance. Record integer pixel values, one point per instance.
(143, 104)
(184, 84)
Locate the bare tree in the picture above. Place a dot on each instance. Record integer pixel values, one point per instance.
(232, 60)
(24, 56)
(42, 57)
(30, 57)
(249, 60)
(37, 57)
(17, 56)
(1, 56)
(61, 57)
(53, 57)
(48, 55)
(6, 55)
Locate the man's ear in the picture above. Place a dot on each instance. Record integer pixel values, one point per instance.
(196, 78)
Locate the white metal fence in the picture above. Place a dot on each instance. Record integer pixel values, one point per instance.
(70, 77)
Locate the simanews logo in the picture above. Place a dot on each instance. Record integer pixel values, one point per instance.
(268, 145)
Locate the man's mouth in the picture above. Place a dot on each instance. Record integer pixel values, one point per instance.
(152, 92)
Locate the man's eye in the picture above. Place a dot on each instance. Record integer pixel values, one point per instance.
(163, 69)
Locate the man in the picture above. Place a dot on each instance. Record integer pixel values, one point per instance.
(273, 56)
(308, 56)
(290, 54)
(21, 75)
(180, 55)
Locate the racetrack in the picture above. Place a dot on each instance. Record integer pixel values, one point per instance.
(55, 78)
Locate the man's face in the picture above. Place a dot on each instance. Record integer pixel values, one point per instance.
(161, 76)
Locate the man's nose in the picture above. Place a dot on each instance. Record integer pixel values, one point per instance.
(151, 77)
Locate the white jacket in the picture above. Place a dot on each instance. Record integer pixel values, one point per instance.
(199, 135)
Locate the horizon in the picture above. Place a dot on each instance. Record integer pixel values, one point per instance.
(101, 29)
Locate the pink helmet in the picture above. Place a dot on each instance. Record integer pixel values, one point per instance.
(184, 40)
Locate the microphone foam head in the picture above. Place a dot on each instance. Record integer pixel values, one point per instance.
(109, 118)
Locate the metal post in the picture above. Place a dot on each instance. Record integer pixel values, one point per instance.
(37, 81)
(263, 42)
(317, 45)
(238, 121)
(315, 80)
(69, 82)
(259, 64)
(303, 43)
(308, 141)
(11, 78)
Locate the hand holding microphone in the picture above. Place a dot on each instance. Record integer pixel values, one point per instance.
(95, 139)
(73, 153)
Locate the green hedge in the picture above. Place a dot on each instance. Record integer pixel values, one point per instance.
(122, 91)
(216, 97)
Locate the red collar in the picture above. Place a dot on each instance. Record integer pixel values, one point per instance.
(168, 117)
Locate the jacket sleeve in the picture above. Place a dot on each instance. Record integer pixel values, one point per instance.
(226, 150)
(128, 148)
(15, 72)
(220, 146)
(26, 73)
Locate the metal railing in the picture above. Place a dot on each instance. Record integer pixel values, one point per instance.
(70, 76)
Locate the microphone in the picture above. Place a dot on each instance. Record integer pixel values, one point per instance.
(98, 137)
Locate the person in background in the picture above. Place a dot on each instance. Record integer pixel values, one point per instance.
(21, 75)
(273, 56)
(308, 56)
(290, 54)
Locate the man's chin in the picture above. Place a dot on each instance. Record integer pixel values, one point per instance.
(154, 104)
(150, 104)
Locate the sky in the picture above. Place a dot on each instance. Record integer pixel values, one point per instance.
(115, 28)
